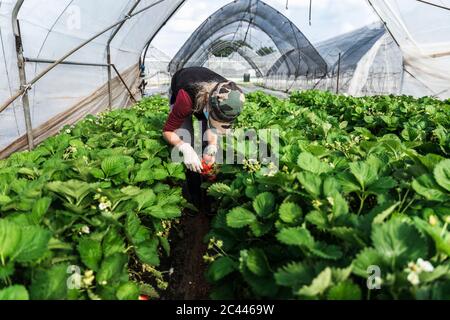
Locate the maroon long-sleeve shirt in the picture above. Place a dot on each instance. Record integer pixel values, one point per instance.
(182, 109)
(184, 87)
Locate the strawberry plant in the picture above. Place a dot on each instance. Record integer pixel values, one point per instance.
(358, 210)
(86, 205)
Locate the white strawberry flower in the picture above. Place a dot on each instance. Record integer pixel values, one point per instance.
(103, 206)
(413, 278)
(85, 229)
(425, 266)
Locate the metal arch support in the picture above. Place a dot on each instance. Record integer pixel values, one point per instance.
(434, 5)
(108, 53)
(20, 92)
(22, 74)
(147, 45)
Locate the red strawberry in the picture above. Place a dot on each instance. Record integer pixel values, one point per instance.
(143, 297)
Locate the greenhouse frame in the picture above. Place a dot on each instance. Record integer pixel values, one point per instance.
(251, 150)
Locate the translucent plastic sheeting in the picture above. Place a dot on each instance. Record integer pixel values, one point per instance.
(366, 61)
(50, 29)
(243, 15)
(423, 33)
(156, 64)
(96, 102)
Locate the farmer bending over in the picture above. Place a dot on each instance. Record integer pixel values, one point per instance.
(215, 102)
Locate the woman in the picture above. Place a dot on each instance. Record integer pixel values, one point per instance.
(213, 100)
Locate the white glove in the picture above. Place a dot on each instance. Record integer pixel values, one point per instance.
(211, 150)
(191, 159)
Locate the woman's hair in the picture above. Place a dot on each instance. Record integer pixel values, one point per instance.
(203, 93)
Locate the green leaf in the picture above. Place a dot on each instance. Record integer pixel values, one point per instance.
(296, 237)
(6, 270)
(322, 250)
(15, 292)
(176, 170)
(442, 244)
(112, 268)
(442, 174)
(311, 182)
(331, 186)
(147, 252)
(256, 261)
(382, 185)
(164, 242)
(159, 174)
(346, 290)
(290, 212)
(310, 163)
(116, 164)
(339, 204)
(145, 199)
(164, 212)
(264, 204)
(428, 188)
(112, 243)
(73, 190)
(393, 241)
(385, 214)
(364, 173)
(134, 229)
(260, 286)
(294, 275)
(143, 175)
(260, 229)
(318, 218)
(366, 258)
(33, 244)
(128, 291)
(220, 268)
(318, 286)
(50, 284)
(10, 235)
(40, 208)
(90, 252)
(240, 217)
(218, 190)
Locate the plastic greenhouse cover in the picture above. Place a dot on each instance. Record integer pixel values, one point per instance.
(412, 58)
(285, 35)
(423, 33)
(50, 28)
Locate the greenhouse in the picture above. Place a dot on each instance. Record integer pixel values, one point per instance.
(243, 150)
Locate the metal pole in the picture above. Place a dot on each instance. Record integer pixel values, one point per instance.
(434, 5)
(147, 46)
(22, 75)
(108, 52)
(73, 63)
(57, 62)
(124, 83)
(338, 73)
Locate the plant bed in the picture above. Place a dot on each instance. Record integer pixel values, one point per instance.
(360, 208)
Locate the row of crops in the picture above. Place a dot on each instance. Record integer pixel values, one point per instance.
(362, 199)
(89, 212)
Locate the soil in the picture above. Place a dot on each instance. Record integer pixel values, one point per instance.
(187, 281)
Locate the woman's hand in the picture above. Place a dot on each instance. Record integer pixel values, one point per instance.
(210, 154)
(209, 160)
(191, 159)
